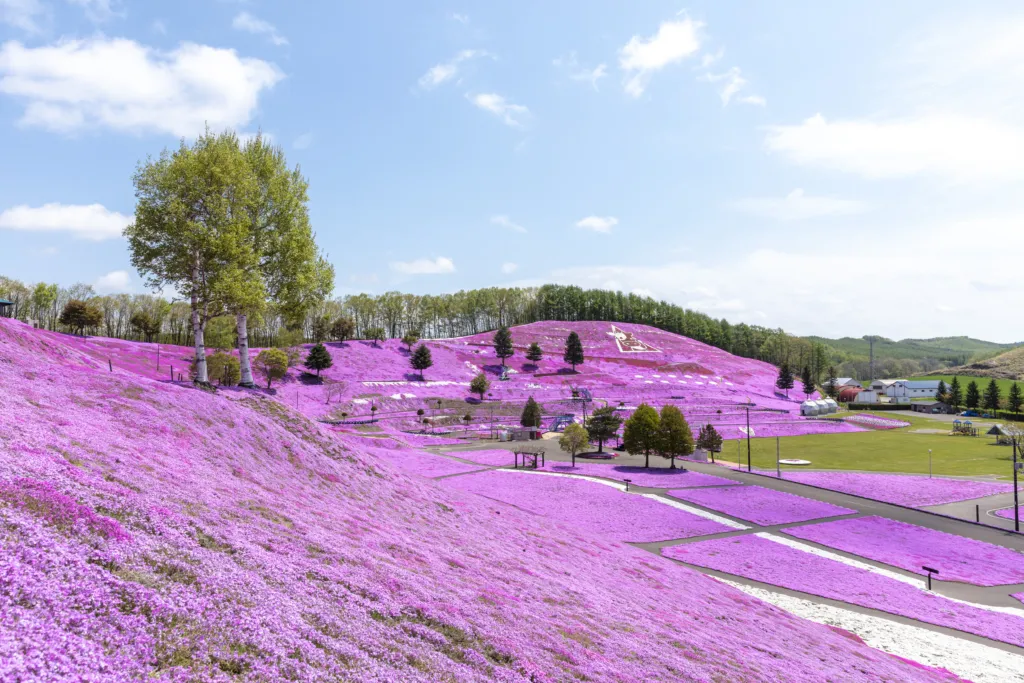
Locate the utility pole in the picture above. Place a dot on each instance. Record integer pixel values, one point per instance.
(1016, 509)
(748, 438)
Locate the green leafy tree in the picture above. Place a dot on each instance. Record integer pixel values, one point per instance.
(573, 440)
(674, 436)
(319, 358)
(955, 396)
(973, 397)
(640, 434)
(376, 335)
(534, 354)
(531, 415)
(421, 359)
(573, 350)
(410, 339)
(785, 380)
(80, 315)
(343, 328)
(831, 383)
(709, 439)
(942, 393)
(223, 369)
(319, 328)
(191, 231)
(272, 364)
(807, 380)
(480, 385)
(992, 396)
(292, 272)
(603, 425)
(145, 325)
(1014, 400)
(503, 344)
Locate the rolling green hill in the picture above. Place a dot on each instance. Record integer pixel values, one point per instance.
(954, 350)
(1008, 365)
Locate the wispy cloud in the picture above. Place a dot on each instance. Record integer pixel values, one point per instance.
(446, 71)
(509, 268)
(641, 57)
(598, 223)
(438, 266)
(732, 82)
(577, 72)
(303, 141)
(514, 115)
(97, 10)
(246, 22)
(461, 18)
(798, 206)
(114, 282)
(24, 15)
(92, 222)
(506, 222)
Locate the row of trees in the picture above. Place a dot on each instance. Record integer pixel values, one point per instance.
(972, 398)
(504, 348)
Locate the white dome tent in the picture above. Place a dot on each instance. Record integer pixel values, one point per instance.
(809, 408)
(833, 407)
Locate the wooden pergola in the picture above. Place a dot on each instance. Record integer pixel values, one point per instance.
(6, 307)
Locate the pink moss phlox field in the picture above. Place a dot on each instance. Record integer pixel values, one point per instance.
(418, 462)
(876, 422)
(760, 505)
(653, 477)
(901, 489)
(769, 562)
(910, 547)
(1007, 513)
(589, 505)
(494, 457)
(183, 536)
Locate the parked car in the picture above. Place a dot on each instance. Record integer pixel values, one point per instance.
(969, 413)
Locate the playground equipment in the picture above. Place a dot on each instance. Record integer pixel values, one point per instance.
(561, 422)
(964, 428)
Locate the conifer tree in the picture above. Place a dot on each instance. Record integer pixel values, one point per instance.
(674, 436)
(955, 395)
(573, 350)
(503, 344)
(831, 384)
(709, 439)
(531, 416)
(1014, 400)
(807, 381)
(640, 434)
(992, 396)
(421, 359)
(603, 425)
(973, 398)
(319, 358)
(942, 392)
(785, 380)
(534, 354)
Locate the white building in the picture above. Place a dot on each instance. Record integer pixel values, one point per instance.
(922, 388)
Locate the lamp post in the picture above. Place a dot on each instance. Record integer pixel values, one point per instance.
(1016, 509)
(748, 435)
(929, 463)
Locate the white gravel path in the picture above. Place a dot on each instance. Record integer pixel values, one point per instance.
(973, 661)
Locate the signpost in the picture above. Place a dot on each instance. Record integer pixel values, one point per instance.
(930, 572)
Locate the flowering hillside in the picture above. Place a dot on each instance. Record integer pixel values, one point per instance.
(151, 530)
(625, 364)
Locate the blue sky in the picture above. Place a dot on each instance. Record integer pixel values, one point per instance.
(831, 170)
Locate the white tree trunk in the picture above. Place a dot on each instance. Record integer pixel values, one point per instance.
(243, 351)
(198, 326)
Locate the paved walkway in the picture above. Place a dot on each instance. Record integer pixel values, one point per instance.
(997, 596)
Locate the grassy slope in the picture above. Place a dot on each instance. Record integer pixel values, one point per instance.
(1003, 384)
(915, 349)
(1009, 365)
(151, 530)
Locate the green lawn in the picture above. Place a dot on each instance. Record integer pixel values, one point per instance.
(895, 450)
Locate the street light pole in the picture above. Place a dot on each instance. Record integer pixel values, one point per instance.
(1016, 509)
(929, 463)
(748, 438)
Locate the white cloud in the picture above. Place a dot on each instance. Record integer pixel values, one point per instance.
(744, 284)
(92, 222)
(513, 115)
(506, 222)
(122, 85)
(509, 268)
(244, 21)
(461, 18)
(446, 71)
(732, 82)
(577, 72)
(598, 223)
(159, 26)
(963, 149)
(303, 141)
(114, 282)
(640, 57)
(710, 58)
(22, 14)
(423, 266)
(798, 206)
(98, 10)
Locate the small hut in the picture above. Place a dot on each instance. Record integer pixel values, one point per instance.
(6, 308)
